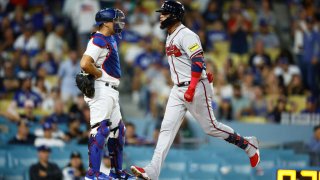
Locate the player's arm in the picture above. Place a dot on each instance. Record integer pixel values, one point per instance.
(192, 46)
(88, 66)
(196, 71)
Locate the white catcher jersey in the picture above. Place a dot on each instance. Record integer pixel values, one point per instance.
(99, 49)
(181, 46)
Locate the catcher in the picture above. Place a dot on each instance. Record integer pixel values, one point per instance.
(99, 83)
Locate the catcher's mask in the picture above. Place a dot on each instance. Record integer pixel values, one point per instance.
(111, 15)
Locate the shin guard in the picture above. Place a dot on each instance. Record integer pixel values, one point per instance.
(115, 146)
(237, 140)
(96, 144)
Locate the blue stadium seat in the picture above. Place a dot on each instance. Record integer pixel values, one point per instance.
(167, 174)
(61, 159)
(3, 158)
(22, 157)
(202, 175)
(233, 176)
(205, 164)
(294, 160)
(176, 163)
(18, 173)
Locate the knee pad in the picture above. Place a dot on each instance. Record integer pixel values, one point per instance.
(99, 134)
(116, 142)
(96, 144)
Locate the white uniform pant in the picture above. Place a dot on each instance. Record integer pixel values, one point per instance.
(104, 105)
(176, 108)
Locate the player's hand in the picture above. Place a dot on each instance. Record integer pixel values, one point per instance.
(188, 95)
(210, 77)
(98, 75)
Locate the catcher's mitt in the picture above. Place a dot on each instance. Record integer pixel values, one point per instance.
(85, 82)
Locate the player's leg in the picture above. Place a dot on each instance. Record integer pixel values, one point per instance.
(99, 113)
(115, 145)
(172, 120)
(201, 109)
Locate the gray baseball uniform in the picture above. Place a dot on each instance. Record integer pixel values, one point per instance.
(181, 46)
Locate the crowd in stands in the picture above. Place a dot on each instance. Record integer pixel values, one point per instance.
(258, 76)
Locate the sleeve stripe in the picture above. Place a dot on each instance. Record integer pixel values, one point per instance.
(200, 50)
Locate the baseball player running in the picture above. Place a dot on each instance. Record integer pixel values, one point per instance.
(99, 82)
(191, 91)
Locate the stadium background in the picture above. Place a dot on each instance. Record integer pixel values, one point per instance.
(265, 56)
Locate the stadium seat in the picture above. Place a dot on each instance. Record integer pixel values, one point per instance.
(294, 161)
(176, 162)
(299, 102)
(18, 173)
(233, 176)
(202, 175)
(138, 155)
(61, 159)
(3, 158)
(167, 174)
(22, 157)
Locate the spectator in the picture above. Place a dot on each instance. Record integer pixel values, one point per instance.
(56, 132)
(259, 58)
(269, 39)
(260, 105)
(222, 88)
(86, 133)
(44, 170)
(59, 115)
(10, 81)
(105, 163)
(76, 108)
(132, 138)
(26, 93)
(296, 86)
(55, 44)
(47, 62)
(49, 102)
(240, 104)
(74, 169)
(82, 13)
(314, 143)
(18, 19)
(212, 12)
(280, 107)
(140, 20)
(26, 42)
(7, 39)
(74, 131)
(24, 69)
(311, 106)
(48, 139)
(67, 72)
(41, 88)
(23, 137)
(310, 56)
(238, 27)
(225, 111)
(266, 13)
(215, 33)
(286, 70)
(28, 112)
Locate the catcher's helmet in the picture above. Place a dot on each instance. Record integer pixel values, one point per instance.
(172, 7)
(111, 15)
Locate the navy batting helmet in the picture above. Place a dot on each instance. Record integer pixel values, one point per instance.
(111, 15)
(172, 7)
